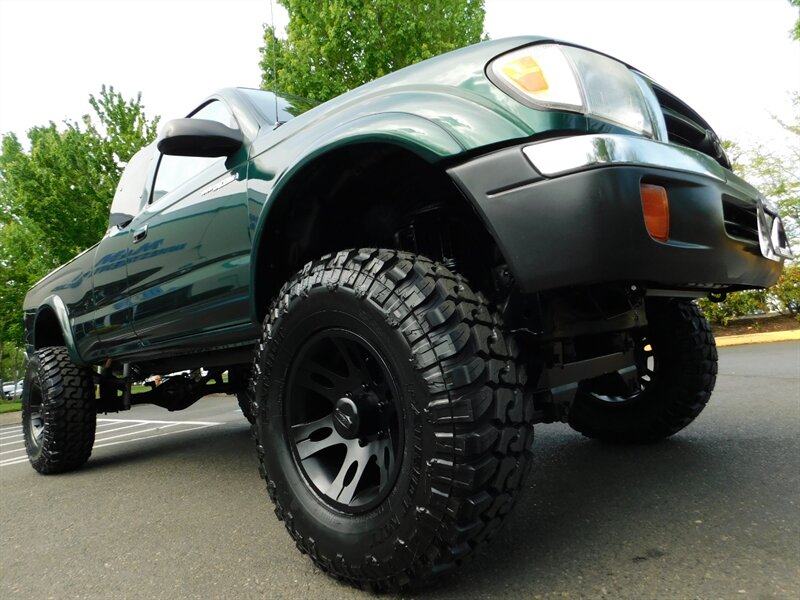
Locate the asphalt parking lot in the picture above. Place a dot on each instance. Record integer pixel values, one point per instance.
(171, 506)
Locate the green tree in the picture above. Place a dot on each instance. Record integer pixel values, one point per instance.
(335, 46)
(23, 260)
(11, 362)
(738, 304)
(776, 171)
(55, 196)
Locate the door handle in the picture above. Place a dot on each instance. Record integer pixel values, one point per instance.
(139, 234)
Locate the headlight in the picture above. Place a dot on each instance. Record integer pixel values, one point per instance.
(573, 79)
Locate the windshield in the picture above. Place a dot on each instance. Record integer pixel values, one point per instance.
(288, 106)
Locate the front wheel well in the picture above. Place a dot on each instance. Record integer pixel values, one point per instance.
(372, 195)
(47, 329)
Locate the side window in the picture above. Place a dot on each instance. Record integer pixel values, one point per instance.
(174, 170)
(131, 194)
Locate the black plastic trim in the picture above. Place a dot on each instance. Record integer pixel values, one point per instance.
(588, 227)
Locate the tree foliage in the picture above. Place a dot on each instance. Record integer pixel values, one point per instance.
(783, 297)
(55, 196)
(335, 46)
(11, 362)
(776, 171)
(738, 304)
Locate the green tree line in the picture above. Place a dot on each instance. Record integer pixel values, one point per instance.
(334, 46)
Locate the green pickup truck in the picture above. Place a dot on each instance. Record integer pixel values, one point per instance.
(399, 283)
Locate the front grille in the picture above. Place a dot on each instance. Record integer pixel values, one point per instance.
(741, 222)
(686, 128)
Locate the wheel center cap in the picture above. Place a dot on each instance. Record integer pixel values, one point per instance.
(346, 419)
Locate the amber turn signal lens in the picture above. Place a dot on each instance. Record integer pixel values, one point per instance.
(526, 73)
(656, 211)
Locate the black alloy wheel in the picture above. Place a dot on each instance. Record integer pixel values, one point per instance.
(346, 434)
(619, 387)
(34, 419)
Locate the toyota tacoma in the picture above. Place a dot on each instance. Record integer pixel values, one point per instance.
(399, 283)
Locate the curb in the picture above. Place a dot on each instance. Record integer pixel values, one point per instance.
(758, 338)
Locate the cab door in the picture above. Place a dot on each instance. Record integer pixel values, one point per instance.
(178, 276)
(110, 326)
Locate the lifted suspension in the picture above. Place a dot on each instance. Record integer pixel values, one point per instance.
(176, 392)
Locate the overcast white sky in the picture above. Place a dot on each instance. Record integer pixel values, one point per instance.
(730, 59)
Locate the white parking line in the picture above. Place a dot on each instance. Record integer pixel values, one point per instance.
(106, 424)
(114, 437)
(151, 422)
(149, 437)
(15, 461)
(150, 429)
(121, 427)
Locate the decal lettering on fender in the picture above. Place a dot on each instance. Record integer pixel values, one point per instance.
(220, 184)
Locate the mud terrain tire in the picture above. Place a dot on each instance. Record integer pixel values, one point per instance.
(58, 411)
(245, 405)
(678, 387)
(463, 423)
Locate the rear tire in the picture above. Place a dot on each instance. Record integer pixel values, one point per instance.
(674, 388)
(440, 420)
(58, 411)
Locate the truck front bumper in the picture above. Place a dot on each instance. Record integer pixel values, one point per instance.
(568, 211)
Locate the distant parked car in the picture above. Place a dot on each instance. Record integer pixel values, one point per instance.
(12, 390)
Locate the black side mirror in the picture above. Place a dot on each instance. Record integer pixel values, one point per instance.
(198, 137)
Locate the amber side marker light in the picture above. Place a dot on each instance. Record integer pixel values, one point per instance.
(656, 211)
